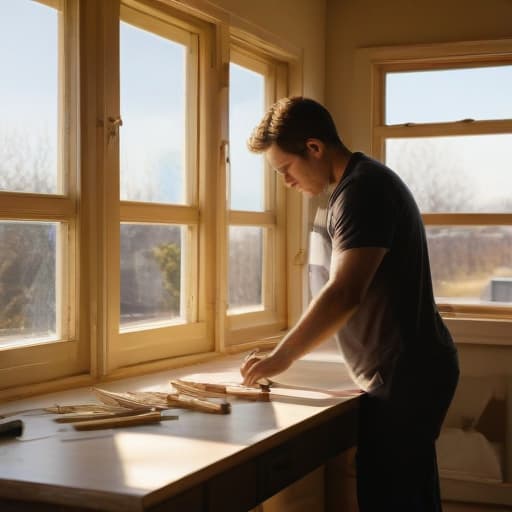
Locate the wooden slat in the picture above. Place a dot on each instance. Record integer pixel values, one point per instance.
(461, 127)
(467, 219)
(35, 206)
(475, 311)
(239, 218)
(158, 213)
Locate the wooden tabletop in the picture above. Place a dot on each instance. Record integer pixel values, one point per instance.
(136, 467)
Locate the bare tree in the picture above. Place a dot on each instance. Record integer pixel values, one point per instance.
(431, 170)
(26, 163)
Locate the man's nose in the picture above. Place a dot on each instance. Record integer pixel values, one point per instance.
(287, 180)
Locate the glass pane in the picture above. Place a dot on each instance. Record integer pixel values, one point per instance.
(471, 265)
(245, 266)
(449, 95)
(151, 274)
(28, 281)
(246, 108)
(153, 106)
(455, 174)
(29, 98)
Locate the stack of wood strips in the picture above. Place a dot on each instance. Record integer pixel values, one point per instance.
(207, 389)
(141, 407)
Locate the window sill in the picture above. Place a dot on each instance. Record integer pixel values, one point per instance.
(480, 331)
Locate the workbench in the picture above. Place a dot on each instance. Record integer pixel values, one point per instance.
(200, 462)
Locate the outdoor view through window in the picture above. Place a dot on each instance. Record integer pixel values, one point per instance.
(471, 264)
(246, 108)
(29, 163)
(152, 170)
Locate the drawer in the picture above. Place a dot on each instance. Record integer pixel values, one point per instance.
(234, 490)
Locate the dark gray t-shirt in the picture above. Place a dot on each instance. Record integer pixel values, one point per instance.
(372, 207)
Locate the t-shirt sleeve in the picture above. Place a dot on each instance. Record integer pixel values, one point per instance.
(363, 215)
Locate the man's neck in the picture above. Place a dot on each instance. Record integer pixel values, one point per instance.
(340, 159)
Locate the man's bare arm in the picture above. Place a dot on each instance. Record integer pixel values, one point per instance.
(351, 273)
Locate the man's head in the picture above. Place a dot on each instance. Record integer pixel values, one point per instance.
(300, 140)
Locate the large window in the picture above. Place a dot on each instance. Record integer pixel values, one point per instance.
(446, 129)
(157, 310)
(255, 294)
(130, 234)
(38, 183)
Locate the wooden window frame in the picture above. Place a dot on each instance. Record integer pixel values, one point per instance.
(372, 64)
(29, 363)
(248, 324)
(94, 350)
(133, 346)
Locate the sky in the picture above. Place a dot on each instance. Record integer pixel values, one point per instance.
(153, 93)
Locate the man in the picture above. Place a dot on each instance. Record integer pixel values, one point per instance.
(378, 302)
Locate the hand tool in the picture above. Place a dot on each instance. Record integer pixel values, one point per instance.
(10, 429)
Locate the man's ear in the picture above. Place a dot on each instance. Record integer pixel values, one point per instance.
(315, 147)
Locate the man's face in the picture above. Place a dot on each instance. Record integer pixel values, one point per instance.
(306, 174)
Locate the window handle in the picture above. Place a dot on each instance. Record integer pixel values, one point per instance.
(113, 126)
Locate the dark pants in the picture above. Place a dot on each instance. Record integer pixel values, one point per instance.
(396, 458)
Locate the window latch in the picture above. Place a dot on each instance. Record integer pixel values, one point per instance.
(113, 126)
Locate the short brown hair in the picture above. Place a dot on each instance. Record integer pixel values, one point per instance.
(290, 122)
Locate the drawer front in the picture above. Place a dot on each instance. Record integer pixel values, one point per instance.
(234, 490)
(294, 459)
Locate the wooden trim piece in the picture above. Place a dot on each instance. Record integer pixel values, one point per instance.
(159, 365)
(55, 4)
(486, 312)
(161, 343)
(263, 345)
(42, 362)
(248, 59)
(245, 218)
(158, 213)
(461, 51)
(200, 9)
(222, 186)
(14, 206)
(247, 34)
(153, 24)
(462, 127)
(479, 331)
(467, 219)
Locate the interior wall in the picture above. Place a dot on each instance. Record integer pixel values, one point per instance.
(353, 24)
(299, 22)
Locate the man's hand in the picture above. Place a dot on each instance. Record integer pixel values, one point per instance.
(258, 367)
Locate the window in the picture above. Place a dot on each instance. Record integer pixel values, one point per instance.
(445, 126)
(255, 295)
(38, 185)
(155, 311)
(122, 250)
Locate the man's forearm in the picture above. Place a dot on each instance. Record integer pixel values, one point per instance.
(326, 314)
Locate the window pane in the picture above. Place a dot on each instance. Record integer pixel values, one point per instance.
(151, 274)
(29, 99)
(455, 174)
(153, 101)
(246, 108)
(245, 266)
(449, 95)
(471, 265)
(28, 282)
